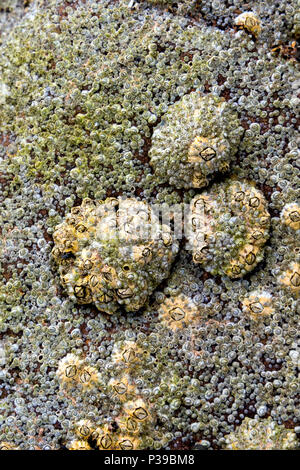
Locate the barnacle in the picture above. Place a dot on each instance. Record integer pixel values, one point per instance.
(68, 368)
(177, 312)
(197, 137)
(84, 429)
(106, 439)
(290, 278)
(128, 442)
(290, 215)
(73, 370)
(258, 304)
(128, 354)
(228, 227)
(122, 387)
(249, 21)
(79, 445)
(113, 253)
(261, 434)
(7, 446)
(137, 410)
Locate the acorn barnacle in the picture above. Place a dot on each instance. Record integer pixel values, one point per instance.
(69, 368)
(290, 278)
(177, 312)
(106, 440)
(137, 410)
(197, 137)
(290, 215)
(128, 442)
(79, 445)
(249, 21)
(113, 253)
(122, 387)
(258, 304)
(128, 354)
(228, 227)
(73, 371)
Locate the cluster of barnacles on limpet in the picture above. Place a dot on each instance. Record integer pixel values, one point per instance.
(113, 253)
(228, 227)
(212, 133)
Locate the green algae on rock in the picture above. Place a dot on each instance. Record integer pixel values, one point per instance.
(228, 227)
(112, 253)
(198, 137)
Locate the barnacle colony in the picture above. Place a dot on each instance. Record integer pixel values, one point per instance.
(113, 253)
(228, 227)
(197, 137)
(255, 434)
(126, 433)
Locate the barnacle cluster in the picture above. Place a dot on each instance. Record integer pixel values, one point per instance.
(73, 371)
(86, 87)
(125, 433)
(197, 137)
(133, 427)
(113, 253)
(228, 227)
(266, 434)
